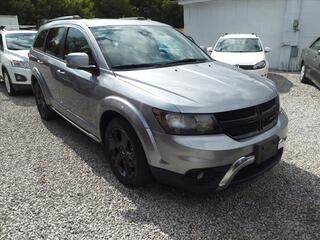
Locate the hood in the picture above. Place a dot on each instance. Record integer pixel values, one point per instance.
(21, 54)
(247, 58)
(202, 88)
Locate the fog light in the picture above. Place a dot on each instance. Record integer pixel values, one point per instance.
(20, 78)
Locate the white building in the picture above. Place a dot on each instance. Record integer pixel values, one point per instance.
(287, 26)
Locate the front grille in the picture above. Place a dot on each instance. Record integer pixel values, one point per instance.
(250, 121)
(246, 67)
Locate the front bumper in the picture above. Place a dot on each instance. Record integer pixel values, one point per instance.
(219, 178)
(189, 155)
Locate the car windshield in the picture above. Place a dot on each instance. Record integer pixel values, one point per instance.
(19, 41)
(126, 47)
(239, 45)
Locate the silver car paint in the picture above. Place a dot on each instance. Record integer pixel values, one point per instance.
(198, 88)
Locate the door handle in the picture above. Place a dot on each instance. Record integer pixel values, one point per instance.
(39, 61)
(61, 71)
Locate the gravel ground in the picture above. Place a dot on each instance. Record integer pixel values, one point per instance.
(55, 185)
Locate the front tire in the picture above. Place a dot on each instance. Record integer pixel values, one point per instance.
(303, 77)
(46, 113)
(124, 151)
(8, 84)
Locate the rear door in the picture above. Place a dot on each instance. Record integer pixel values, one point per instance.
(52, 62)
(79, 85)
(313, 59)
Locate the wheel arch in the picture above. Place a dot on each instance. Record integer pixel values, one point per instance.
(36, 76)
(114, 106)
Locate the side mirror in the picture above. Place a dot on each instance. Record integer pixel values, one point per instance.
(210, 50)
(318, 52)
(267, 50)
(80, 60)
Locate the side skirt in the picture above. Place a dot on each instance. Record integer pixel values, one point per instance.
(78, 127)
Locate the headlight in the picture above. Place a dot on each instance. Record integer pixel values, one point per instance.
(187, 124)
(20, 64)
(260, 65)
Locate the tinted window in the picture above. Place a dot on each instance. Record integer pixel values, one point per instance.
(1, 43)
(54, 41)
(39, 42)
(239, 45)
(19, 41)
(76, 42)
(316, 45)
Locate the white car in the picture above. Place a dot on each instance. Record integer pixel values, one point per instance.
(242, 50)
(14, 60)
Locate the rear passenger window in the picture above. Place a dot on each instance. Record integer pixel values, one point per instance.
(39, 42)
(77, 42)
(54, 41)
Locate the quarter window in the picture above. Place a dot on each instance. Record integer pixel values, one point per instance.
(54, 41)
(77, 42)
(40, 40)
(316, 45)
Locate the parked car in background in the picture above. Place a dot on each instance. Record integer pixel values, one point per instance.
(310, 63)
(14, 60)
(157, 103)
(242, 50)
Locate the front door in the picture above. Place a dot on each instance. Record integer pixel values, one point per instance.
(77, 90)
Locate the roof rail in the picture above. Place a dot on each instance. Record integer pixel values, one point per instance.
(134, 18)
(63, 18)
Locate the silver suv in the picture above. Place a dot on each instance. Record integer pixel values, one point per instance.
(157, 103)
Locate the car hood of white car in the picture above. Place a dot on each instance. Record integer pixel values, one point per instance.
(235, 58)
(20, 54)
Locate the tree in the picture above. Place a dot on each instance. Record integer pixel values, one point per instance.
(31, 11)
(113, 8)
(166, 11)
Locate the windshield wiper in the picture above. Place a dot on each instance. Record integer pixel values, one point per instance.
(188, 60)
(145, 65)
(131, 66)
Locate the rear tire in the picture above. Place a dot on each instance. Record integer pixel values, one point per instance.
(124, 151)
(303, 77)
(8, 84)
(46, 113)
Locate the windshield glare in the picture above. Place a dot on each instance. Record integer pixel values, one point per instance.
(19, 41)
(239, 45)
(145, 45)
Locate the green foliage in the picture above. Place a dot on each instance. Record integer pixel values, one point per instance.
(31, 11)
(113, 8)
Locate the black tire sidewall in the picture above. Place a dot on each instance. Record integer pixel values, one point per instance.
(142, 175)
(12, 93)
(47, 113)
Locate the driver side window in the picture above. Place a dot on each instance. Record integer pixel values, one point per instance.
(76, 42)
